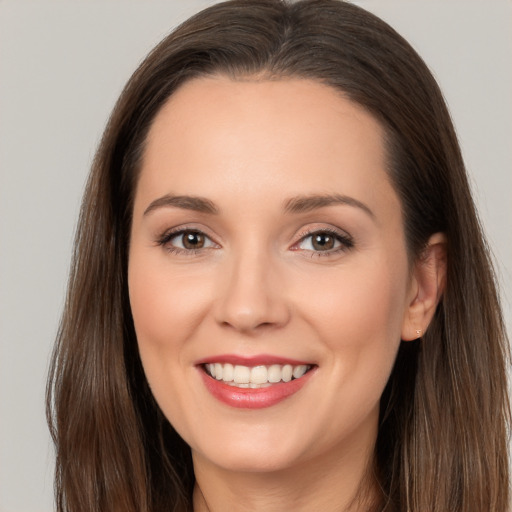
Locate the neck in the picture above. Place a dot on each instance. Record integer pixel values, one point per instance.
(332, 484)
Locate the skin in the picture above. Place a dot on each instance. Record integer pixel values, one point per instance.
(259, 286)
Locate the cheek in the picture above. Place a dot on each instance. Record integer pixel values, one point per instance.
(166, 305)
(358, 315)
(357, 301)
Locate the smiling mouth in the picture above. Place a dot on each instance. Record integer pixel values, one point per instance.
(255, 377)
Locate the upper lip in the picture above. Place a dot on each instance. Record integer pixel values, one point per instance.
(255, 360)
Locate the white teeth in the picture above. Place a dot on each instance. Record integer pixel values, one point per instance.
(287, 373)
(241, 374)
(227, 372)
(299, 371)
(274, 373)
(256, 376)
(259, 375)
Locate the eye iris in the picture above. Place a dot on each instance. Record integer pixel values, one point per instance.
(193, 240)
(323, 241)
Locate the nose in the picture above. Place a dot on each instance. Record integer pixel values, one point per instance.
(251, 295)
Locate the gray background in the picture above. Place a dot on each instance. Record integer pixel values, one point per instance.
(62, 65)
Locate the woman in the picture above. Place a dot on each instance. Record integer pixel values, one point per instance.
(281, 297)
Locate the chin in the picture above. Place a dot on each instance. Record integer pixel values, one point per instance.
(257, 449)
(254, 459)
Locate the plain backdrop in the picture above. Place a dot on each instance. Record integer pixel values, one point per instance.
(63, 64)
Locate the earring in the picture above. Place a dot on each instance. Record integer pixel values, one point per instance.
(418, 332)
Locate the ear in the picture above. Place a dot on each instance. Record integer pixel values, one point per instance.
(426, 289)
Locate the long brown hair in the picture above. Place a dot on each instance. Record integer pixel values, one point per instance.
(442, 443)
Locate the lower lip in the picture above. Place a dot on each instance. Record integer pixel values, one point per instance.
(247, 398)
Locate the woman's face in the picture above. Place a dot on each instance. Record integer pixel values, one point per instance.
(267, 245)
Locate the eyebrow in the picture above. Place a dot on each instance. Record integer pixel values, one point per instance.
(298, 204)
(303, 204)
(198, 204)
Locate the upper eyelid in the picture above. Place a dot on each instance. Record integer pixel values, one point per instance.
(331, 230)
(170, 233)
(308, 232)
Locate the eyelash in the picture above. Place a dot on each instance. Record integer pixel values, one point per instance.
(166, 237)
(346, 242)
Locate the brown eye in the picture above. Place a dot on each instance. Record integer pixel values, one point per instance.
(192, 240)
(186, 241)
(322, 241)
(325, 241)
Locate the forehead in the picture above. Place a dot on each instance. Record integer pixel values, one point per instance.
(291, 107)
(293, 136)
